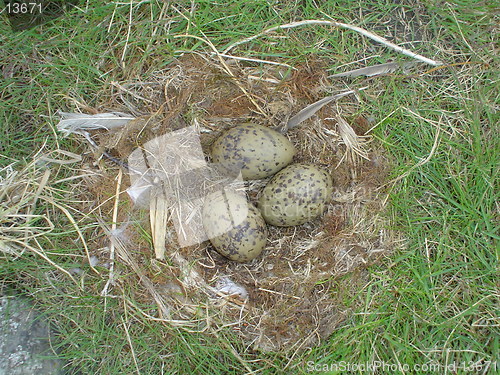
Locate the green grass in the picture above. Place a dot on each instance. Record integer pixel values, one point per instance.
(435, 302)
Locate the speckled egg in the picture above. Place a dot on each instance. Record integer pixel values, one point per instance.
(295, 195)
(234, 226)
(256, 150)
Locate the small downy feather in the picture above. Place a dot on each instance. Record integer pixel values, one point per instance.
(373, 70)
(78, 122)
(228, 287)
(311, 109)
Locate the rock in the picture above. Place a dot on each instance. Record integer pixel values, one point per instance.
(24, 340)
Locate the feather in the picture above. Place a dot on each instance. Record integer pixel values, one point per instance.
(225, 285)
(79, 122)
(311, 109)
(373, 70)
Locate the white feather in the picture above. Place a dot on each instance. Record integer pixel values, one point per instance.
(228, 287)
(78, 122)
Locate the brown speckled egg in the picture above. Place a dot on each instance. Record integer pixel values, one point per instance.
(256, 150)
(295, 195)
(234, 226)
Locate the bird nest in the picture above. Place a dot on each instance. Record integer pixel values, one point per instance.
(289, 298)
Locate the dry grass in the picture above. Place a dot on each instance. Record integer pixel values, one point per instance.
(23, 229)
(288, 304)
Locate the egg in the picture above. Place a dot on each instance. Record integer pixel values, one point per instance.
(256, 150)
(296, 195)
(234, 226)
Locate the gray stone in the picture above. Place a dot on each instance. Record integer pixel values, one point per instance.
(24, 340)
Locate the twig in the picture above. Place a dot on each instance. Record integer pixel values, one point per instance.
(113, 230)
(357, 29)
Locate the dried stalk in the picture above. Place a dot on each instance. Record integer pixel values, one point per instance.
(357, 29)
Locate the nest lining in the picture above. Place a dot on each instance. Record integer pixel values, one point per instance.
(285, 299)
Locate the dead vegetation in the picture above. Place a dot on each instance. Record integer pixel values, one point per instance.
(286, 299)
